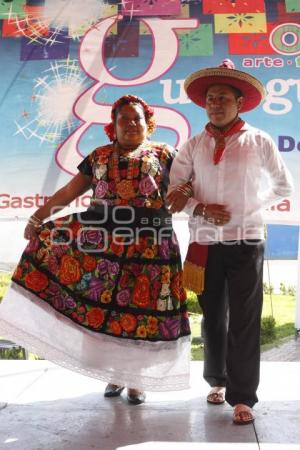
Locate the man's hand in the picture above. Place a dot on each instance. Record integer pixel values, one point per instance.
(213, 213)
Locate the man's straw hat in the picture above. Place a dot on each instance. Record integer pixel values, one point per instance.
(198, 82)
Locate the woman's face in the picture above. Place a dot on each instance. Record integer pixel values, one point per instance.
(130, 126)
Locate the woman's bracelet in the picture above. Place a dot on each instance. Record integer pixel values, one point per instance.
(186, 189)
(35, 221)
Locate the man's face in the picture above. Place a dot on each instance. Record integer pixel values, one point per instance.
(222, 104)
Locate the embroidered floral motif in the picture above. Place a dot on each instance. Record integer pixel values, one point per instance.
(152, 325)
(169, 328)
(95, 317)
(101, 189)
(176, 287)
(125, 189)
(117, 246)
(133, 181)
(129, 290)
(100, 171)
(141, 291)
(115, 327)
(89, 263)
(91, 236)
(102, 154)
(32, 245)
(106, 296)
(128, 322)
(36, 281)
(141, 331)
(147, 185)
(123, 297)
(69, 270)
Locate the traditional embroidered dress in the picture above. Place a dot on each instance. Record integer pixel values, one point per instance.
(100, 292)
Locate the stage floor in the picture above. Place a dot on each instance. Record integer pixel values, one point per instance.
(45, 407)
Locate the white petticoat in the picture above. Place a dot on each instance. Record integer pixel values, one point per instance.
(149, 366)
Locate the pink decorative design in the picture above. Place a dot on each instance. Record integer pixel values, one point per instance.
(151, 7)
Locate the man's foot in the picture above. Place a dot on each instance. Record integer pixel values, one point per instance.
(113, 390)
(135, 397)
(216, 395)
(242, 414)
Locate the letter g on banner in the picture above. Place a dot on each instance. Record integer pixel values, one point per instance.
(91, 54)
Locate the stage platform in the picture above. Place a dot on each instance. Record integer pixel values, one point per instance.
(45, 407)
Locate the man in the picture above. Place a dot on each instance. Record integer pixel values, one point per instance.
(226, 162)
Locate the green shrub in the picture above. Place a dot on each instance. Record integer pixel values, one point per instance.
(268, 288)
(193, 304)
(4, 282)
(11, 353)
(283, 289)
(291, 290)
(268, 330)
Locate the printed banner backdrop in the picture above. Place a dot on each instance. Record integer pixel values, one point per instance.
(64, 62)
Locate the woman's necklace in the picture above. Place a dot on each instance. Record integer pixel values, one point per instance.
(125, 188)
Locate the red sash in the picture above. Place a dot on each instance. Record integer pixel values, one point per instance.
(220, 135)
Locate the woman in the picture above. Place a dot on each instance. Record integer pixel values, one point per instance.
(100, 291)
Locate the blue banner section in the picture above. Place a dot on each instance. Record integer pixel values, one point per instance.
(282, 242)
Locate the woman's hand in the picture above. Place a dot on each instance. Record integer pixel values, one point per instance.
(31, 231)
(33, 227)
(176, 201)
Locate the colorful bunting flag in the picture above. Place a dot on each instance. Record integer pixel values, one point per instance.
(292, 5)
(126, 42)
(78, 31)
(184, 14)
(233, 6)
(240, 23)
(150, 7)
(284, 16)
(251, 43)
(32, 25)
(55, 47)
(11, 9)
(197, 42)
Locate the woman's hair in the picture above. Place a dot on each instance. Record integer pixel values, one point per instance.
(127, 100)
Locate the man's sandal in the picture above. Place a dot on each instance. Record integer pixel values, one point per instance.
(135, 397)
(216, 395)
(242, 414)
